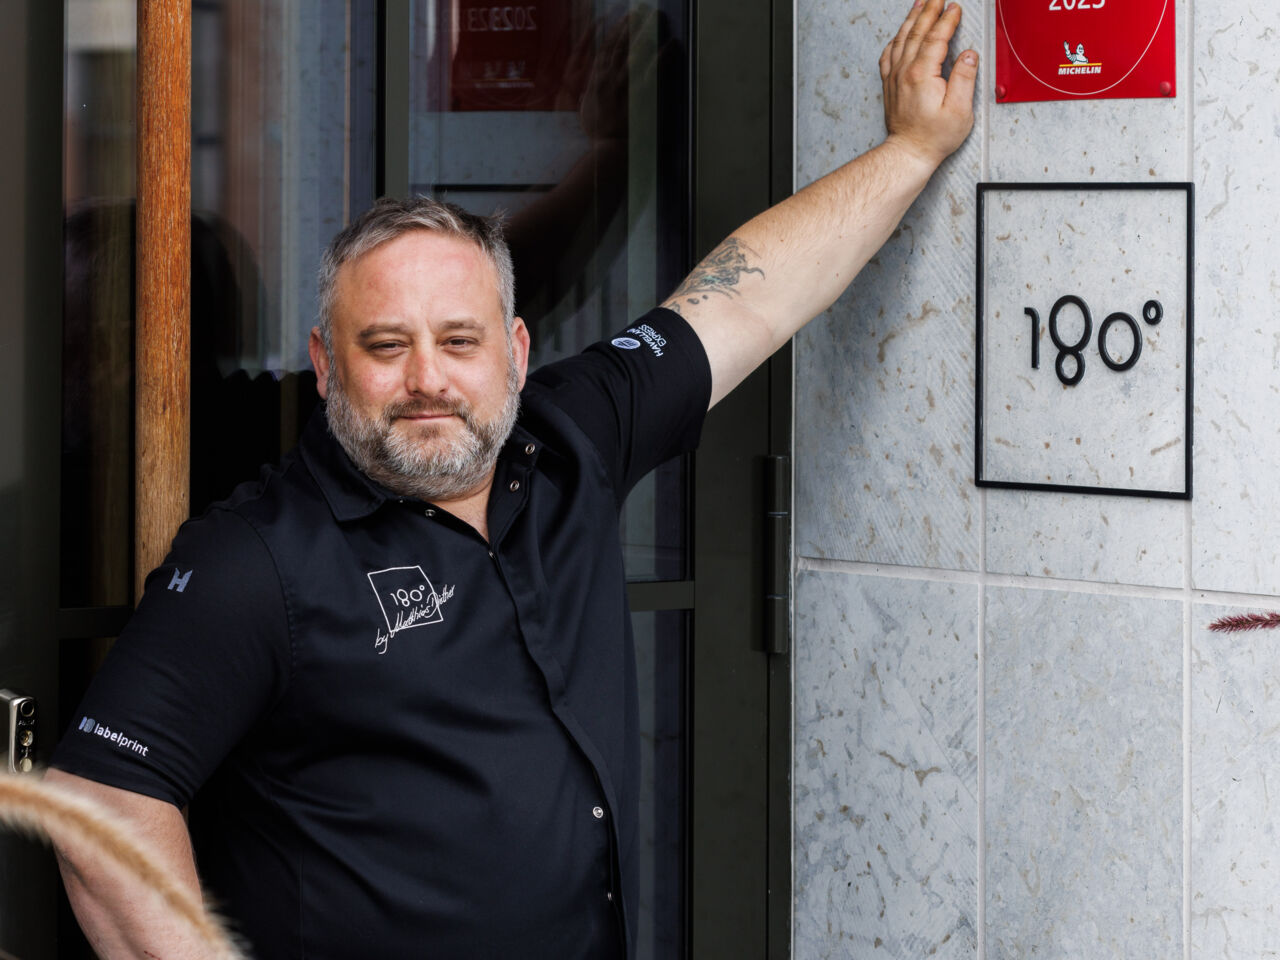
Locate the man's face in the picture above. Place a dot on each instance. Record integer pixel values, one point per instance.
(423, 384)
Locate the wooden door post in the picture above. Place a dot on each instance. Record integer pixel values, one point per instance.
(162, 431)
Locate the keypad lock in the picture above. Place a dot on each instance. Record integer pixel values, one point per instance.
(20, 731)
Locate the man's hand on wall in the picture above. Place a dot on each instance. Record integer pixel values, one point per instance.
(927, 114)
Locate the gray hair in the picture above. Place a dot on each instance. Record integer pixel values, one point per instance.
(391, 217)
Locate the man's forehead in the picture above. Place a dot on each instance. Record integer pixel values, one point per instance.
(426, 246)
(422, 261)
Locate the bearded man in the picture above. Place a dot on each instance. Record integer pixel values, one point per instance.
(394, 678)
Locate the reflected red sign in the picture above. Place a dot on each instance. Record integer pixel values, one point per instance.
(1084, 49)
(516, 56)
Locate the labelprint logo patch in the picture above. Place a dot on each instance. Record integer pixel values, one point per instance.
(89, 725)
(625, 343)
(407, 599)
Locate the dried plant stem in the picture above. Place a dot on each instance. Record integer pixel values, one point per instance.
(50, 813)
(1246, 621)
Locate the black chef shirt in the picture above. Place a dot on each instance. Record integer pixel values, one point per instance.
(401, 740)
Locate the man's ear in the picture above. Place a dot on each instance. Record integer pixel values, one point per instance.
(319, 360)
(520, 348)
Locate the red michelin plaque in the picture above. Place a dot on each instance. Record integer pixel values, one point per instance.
(1084, 49)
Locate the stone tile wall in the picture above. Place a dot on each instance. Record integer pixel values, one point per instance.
(1014, 734)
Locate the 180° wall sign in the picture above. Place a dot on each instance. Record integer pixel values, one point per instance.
(1152, 313)
(1048, 254)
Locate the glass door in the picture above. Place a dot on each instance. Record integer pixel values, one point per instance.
(283, 155)
(569, 117)
(575, 117)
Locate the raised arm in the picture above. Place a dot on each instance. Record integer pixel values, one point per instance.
(126, 913)
(784, 267)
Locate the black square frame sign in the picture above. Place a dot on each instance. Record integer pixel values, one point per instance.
(1085, 337)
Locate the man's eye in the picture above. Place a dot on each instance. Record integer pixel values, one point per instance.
(461, 342)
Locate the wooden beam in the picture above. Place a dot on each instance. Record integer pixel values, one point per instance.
(163, 346)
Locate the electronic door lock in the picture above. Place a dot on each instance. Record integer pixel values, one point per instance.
(20, 731)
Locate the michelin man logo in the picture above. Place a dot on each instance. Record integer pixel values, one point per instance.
(1077, 62)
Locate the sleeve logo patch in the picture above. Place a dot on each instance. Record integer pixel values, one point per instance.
(625, 343)
(407, 599)
(651, 337)
(89, 725)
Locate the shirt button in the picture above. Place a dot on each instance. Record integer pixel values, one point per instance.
(492, 556)
(529, 449)
(609, 896)
(514, 486)
(597, 812)
(429, 513)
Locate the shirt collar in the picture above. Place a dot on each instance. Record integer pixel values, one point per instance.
(349, 493)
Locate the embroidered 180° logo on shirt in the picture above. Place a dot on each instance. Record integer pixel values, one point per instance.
(407, 599)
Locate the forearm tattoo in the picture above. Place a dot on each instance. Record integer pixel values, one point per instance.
(719, 272)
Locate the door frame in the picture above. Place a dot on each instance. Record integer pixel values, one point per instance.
(33, 255)
(741, 860)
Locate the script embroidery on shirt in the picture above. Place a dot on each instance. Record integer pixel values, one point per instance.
(407, 599)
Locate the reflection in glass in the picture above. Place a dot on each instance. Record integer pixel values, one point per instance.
(661, 657)
(97, 363)
(567, 116)
(283, 148)
(283, 151)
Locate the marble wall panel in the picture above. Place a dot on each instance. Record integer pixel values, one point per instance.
(1086, 537)
(1084, 778)
(1237, 504)
(1074, 537)
(884, 379)
(886, 772)
(1235, 759)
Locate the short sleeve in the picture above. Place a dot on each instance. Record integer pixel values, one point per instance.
(640, 396)
(205, 655)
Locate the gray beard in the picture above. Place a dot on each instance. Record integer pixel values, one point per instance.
(425, 466)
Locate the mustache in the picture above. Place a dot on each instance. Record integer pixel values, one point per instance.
(426, 407)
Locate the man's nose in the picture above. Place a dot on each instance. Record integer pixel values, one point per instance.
(426, 374)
